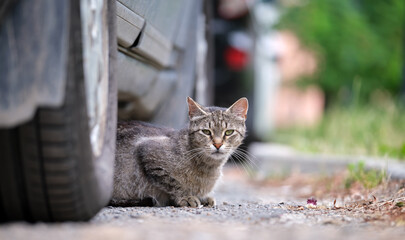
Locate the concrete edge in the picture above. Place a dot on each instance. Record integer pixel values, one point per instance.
(273, 159)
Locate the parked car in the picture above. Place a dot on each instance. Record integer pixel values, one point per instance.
(60, 73)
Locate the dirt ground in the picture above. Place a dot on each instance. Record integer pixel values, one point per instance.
(248, 208)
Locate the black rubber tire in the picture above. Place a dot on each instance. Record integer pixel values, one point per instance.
(48, 171)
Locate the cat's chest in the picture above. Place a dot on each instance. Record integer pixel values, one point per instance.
(201, 184)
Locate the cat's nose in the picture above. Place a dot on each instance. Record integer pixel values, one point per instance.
(217, 145)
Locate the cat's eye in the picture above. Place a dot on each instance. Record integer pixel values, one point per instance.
(206, 131)
(228, 132)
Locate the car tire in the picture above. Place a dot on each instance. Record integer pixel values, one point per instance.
(49, 171)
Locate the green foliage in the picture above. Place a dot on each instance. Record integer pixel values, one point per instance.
(358, 42)
(358, 130)
(368, 178)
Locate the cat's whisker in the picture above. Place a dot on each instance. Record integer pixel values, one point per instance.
(235, 162)
(195, 154)
(240, 159)
(245, 161)
(248, 159)
(241, 162)
(247, 156)
(245, 152)
(191, 155)
(194, 150)
(190, 158)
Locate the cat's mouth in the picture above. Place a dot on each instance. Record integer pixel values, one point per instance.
(217, 153)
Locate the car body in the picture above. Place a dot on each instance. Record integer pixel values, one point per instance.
(65, 68)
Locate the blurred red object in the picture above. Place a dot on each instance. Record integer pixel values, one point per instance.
(236, 59)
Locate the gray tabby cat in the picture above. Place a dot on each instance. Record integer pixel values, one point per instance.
(163, 166)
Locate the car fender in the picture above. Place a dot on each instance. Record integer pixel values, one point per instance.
(33, 58)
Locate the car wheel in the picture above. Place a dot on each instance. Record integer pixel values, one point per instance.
(59, 165)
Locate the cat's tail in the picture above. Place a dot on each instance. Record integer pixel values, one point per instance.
(146, 202)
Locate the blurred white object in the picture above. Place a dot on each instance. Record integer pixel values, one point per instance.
(267, 73)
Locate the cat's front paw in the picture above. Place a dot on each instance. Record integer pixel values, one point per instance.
(208, 201)
(189, 201)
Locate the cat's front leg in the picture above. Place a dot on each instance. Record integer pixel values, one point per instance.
(208, 201)
(189, 201)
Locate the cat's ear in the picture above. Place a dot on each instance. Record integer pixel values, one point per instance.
(195, 109)
(239, 108)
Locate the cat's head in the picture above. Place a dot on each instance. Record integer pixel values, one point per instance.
(216, 132)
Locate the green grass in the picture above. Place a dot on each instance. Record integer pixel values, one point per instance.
(363, 130)
(368, 178)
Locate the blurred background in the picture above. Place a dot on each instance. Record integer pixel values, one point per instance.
(322, 76)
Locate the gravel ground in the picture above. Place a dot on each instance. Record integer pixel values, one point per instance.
(243, 211)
